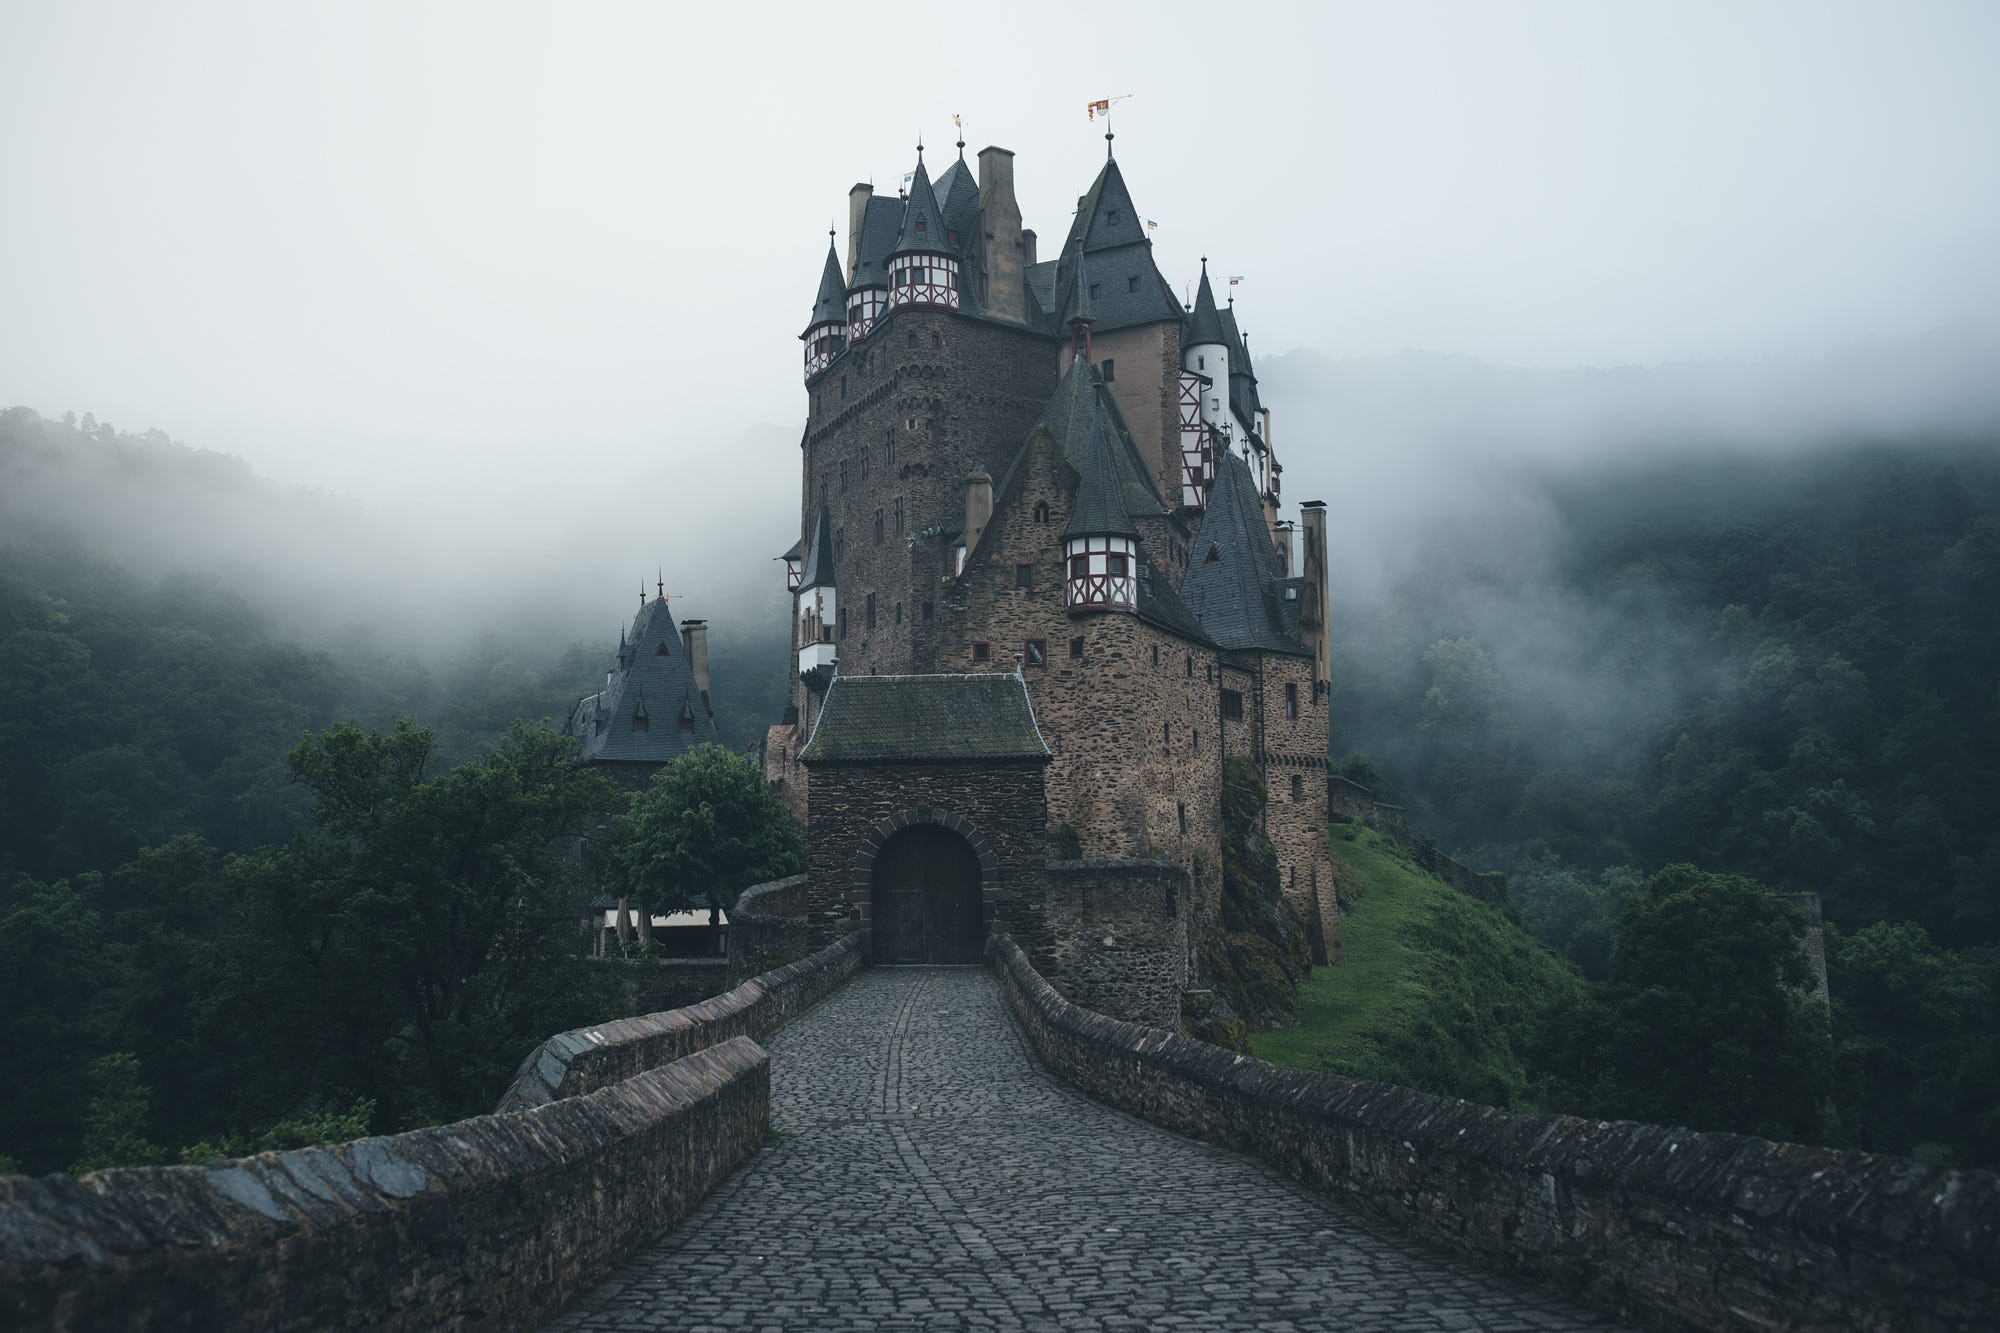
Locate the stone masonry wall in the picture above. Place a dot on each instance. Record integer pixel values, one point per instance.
(902, 417)
(1118, 937)
(1295, 818)
(1003, 802)
(1681, 1229)
(767, 928)
(1133, 724)
(571, 1064)
(1146, 385)
(489, 1223)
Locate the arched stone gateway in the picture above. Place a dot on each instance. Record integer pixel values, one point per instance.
(928, 876)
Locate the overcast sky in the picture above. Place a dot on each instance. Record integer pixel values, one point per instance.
(418, 250)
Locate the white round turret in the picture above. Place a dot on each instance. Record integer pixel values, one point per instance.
(865, 306)
(923, 279)
(1102, 574)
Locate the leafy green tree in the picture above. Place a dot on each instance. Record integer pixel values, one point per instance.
(703, 830)
(114, 1129)
(1706, 1020)
(52, 971)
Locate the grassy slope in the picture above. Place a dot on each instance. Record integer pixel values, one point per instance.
(1436, 991)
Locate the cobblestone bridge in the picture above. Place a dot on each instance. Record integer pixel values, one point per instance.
(926, 1173)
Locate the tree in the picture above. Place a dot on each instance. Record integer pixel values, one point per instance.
(706, 828)
(1706, 1020)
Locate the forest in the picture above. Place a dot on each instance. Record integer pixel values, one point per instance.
(1783, 668)
(1774, 668)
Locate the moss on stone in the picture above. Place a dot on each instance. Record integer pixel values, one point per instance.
(1256, 960)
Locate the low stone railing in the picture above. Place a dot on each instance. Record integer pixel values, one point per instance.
(767, 928)
(1675, 1228)
(486, 1223)
(572, 1063)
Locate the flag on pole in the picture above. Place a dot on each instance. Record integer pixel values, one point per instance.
(1152, 225)
(957, 120)
(1102, 104)
(908, 176)
(1233, 281)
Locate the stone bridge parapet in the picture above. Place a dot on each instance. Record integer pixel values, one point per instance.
(1676, 1228)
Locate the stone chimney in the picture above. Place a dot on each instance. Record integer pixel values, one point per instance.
(1312, 609)
(978, 500)
(1281, 537)
(1028, 248)
(695, 634)
(857, 210)
(997, 256)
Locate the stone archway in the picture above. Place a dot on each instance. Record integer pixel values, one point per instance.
(927, 877)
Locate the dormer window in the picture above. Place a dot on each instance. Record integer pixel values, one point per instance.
(920, 225)
(1214, 555)
(640, 722)
(687, 720)
(951, 236)
(1111, 215)
(662, 651)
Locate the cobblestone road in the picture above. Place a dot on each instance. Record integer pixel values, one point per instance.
(926, 1173)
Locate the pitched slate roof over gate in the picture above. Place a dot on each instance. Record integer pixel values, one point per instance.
(889, 719)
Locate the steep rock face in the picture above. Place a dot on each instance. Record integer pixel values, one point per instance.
(1256, 958)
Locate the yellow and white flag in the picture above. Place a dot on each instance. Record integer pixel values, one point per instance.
(1103, 105)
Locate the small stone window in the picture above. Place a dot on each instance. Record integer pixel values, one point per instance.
(1035, 652)
(899, 613)
(1292, 706)
(910, 340)
(1156, 654)
(1232, 705)
(1183, 812)
(1076, 649)
(1167, 737)
(937, 340)
(1190, 666)
(981, 652)
(1041, 511)
(1108, 369)
(869, 614)
(878, 527)
(843, 386)
(1024, 576)
(927, 613)
(1197, 740)
(1298, 787)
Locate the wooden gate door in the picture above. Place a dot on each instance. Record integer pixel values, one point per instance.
(926, 904)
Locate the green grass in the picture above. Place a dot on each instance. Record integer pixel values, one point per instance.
(1437, 992)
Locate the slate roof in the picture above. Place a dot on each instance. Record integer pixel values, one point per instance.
(1110, 235)
(830, 307)
(1160, 605)
(1237, 595)
(1100, 494)
(1041, 280)
(1243, 397)
(923, 221)
(880, 221)
(958, 198)
(1078, 400)
(819, 553)
(652, 678)
(890, 719)
(1204, 324)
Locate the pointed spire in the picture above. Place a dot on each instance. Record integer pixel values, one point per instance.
(1100, 498)
(1108, 137)
(1205, 324)
(923, 220)
(660, 582)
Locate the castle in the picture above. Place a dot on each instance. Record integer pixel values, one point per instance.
(1041, 585)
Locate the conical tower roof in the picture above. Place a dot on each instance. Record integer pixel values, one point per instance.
(923, 220)
(830, 306)
(1205, 325)
(818, 572)
(1100, 496)
(1233, 584)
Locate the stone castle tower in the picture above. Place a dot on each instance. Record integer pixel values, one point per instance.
(1052, 470)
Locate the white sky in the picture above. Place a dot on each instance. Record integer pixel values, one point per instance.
(419, 251)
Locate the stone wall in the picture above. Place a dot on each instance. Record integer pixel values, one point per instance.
(489, 1223)
(1295, 814)
(902, 416)
(571, 1064)
(1352, 801)
(1000, 802)
(1118, 937)
(767, 928)
(1675, 1228)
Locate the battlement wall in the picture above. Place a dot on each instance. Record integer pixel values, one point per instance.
(1676, 1228)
